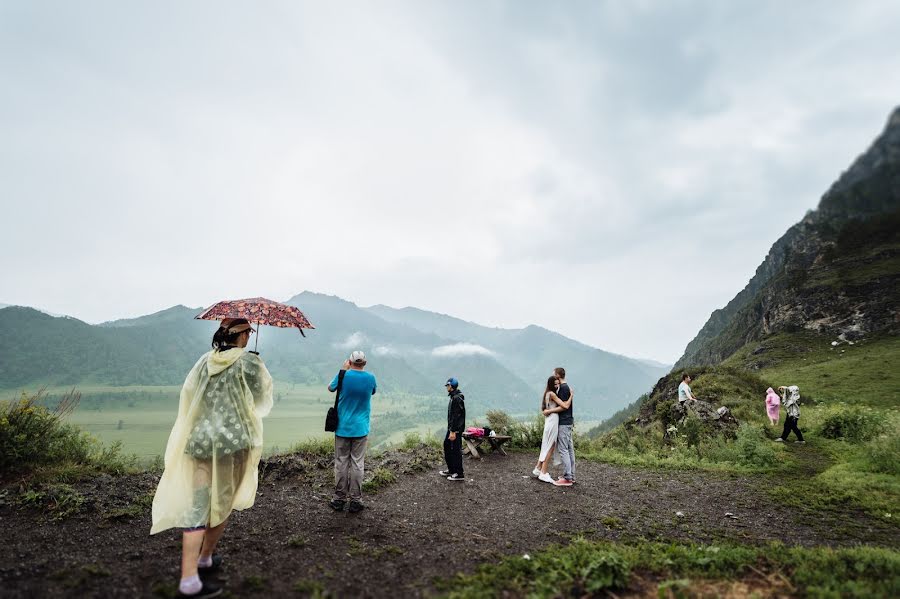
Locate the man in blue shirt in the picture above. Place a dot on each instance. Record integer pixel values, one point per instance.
(352, 435)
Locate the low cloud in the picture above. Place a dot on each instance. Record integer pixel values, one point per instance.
(461, 349)
(385, 350)
(353, 341)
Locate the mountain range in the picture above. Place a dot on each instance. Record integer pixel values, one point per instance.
(411, 351)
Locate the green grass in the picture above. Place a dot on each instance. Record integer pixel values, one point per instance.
(141, 417)
(850, 417)
(866, 372)
(584, 567)
(381, 477)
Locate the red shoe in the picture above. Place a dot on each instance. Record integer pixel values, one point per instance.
(562, 482)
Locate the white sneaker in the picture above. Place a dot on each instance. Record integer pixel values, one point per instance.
(444, 472)
(536, 472)
(456, 477)
(779, 440)
(546, 478)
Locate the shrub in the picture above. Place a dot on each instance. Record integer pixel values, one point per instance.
(33, 437)
(411, 441)
(314, 447)
(499, 421)
(753, 449)
(852, 423)
(882, 454)
(527, 435)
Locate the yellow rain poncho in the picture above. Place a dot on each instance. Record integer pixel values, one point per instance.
(215, 446)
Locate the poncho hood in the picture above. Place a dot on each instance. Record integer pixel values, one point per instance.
(770, 391)
(217, 361)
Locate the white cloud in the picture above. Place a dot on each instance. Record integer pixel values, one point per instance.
(353, 341)
(385, 350)
(461, 349)
(572, 160)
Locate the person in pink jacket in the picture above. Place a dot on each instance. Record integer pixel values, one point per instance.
(773, 405)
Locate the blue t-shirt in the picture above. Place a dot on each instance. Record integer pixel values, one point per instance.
(355, 403)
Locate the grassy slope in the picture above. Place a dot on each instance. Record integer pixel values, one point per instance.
(866, 372)
(826, 473)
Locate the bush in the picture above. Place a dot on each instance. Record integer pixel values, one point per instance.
(499, 421)
(882, 454)
(527, 435)
(751, 448)
(34, 437)
(315, 447)
(852, 423)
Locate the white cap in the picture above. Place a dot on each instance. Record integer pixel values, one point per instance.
(358, 357)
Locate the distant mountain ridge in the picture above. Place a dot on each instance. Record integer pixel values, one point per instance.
(837, 271)
(411, 351)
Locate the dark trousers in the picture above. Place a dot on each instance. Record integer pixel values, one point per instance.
(790, 424)
(453, 454)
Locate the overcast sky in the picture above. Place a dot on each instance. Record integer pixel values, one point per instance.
(614, 171)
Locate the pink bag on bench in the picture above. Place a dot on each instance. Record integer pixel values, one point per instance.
(475, 431)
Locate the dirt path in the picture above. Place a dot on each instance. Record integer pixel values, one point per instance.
(418, 529)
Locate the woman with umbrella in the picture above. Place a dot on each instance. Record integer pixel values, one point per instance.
(213, 451)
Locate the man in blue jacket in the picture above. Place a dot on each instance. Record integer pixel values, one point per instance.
(352, 435)
(456, 424)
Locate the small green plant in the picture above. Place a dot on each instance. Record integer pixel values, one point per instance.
(297, 541)
(311, 588)
(138, 507)
(58, 500)
(381, 478)
(254, 582)
(611, 522)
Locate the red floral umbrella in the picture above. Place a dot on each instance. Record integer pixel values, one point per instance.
(259, 310)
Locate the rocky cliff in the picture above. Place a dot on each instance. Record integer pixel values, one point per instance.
(837, 271)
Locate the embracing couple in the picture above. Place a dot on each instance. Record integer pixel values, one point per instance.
(556, 406)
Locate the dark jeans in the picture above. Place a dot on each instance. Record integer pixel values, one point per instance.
(790, 424)
(453, 454)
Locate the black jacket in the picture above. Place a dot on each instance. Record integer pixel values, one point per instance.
(456, 412)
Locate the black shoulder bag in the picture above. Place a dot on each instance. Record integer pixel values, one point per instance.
(331, 419)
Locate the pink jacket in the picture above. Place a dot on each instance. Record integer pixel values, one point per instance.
(773, 403)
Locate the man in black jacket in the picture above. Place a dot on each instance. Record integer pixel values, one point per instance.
(456, 424)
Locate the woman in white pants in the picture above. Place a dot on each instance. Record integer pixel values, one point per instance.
(550, 408)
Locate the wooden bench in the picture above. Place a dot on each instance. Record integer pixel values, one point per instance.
(473, 442)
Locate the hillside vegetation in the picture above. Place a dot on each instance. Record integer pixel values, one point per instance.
(821, 313)
(499, 368)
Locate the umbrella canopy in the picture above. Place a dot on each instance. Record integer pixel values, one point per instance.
(259, 310)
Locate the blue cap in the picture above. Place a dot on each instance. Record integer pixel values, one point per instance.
(452, 382)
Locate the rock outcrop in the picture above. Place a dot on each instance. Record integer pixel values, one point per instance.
(837, 271)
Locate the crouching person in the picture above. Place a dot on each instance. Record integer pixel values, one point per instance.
(354, 405)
